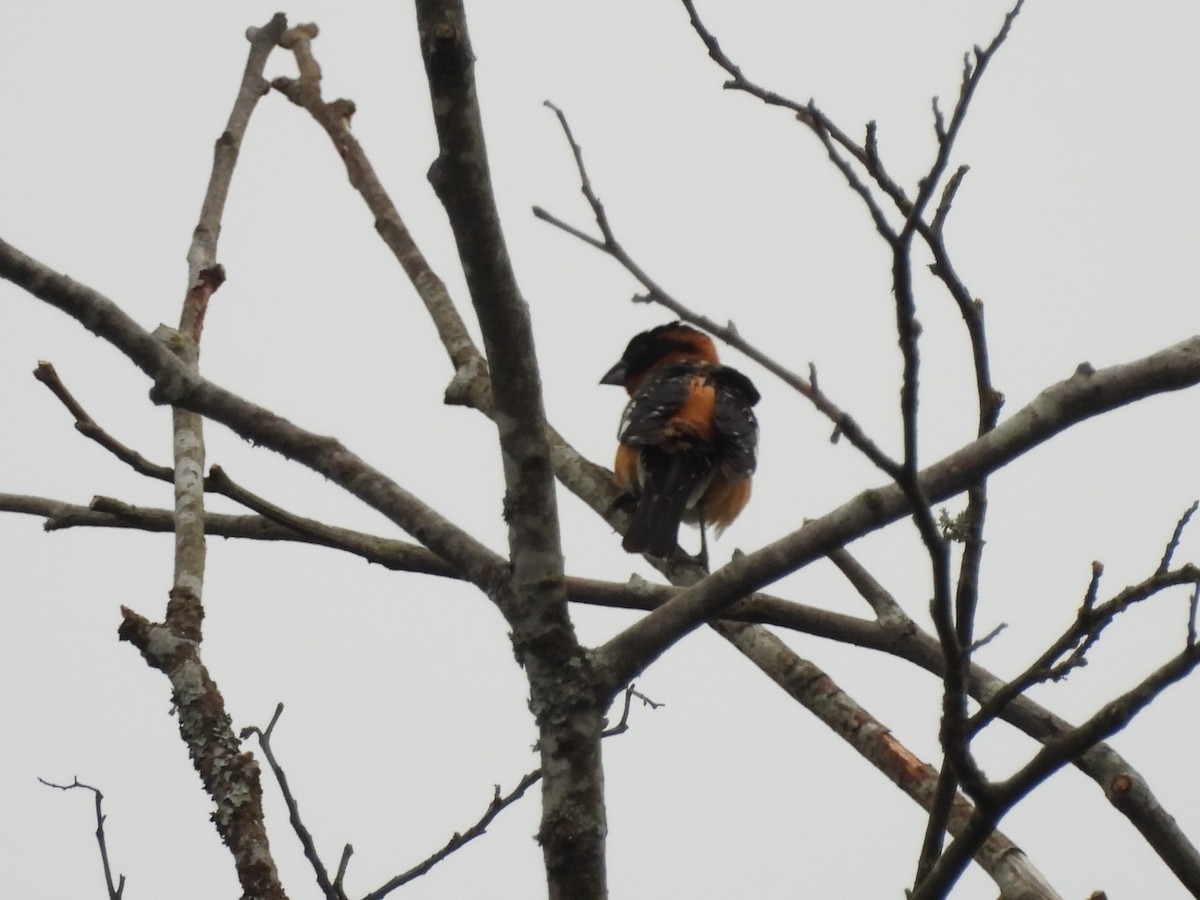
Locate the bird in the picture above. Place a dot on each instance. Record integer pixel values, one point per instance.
(688, 438)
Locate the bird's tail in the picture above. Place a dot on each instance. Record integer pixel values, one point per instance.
(670, 483)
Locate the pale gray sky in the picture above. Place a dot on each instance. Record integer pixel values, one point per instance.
(1076, 226)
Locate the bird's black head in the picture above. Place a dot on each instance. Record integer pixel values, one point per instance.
(666, 343)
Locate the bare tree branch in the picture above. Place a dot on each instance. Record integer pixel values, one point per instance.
(817, 692)
(335, 117)
(867, 155)
(397, 555)
(1121, 783)
(176, 385)
(305, 836)
(1176, 535)
(186, 385)
(1087, 393)
(105, 512)
(1090, 622)
(90, 428)
(1055, 754)
(564, 696)
(899, 637)
(623, 725)
(333, 890)
(461, 839)
(462, 181)
(230, 776)
(946, 136)
(844, 424)
(471, 384)
(114, 891)
(954, 624)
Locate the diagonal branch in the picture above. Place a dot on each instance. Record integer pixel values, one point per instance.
(843, 423)
(1121, 783)
(1054, 754)
(1090, 622)
(838, 143)
(460, 839)
(333, 889)
(105, 512)
(393, 554)
(1087, 393)
(91, 429)
(175, 384)
(972, 75)
(471, 384)
(816, 691)
(899, 636)
(334, 117)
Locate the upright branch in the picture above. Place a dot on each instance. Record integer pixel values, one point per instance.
(331, 889)
(972, 74)
(953, 611)
(563, 696)
(230, 776)
(462, 180)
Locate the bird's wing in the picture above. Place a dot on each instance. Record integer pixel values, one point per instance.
(647, 419)
(736, 425)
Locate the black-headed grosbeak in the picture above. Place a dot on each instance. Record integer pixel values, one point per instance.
(688, 438)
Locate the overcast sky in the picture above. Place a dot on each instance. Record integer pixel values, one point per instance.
(1076, 226)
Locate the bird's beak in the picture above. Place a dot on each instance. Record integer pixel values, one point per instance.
(617, 374)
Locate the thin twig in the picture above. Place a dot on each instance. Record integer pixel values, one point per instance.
(1089, 624)
(89, 428)
(947, 135)
(459, 840)
(332, 891)
(390, 553)
(1176, 536)
(843, 423)
(1055, 754)
(114, 891)
(1122, 785)
(623, 725)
